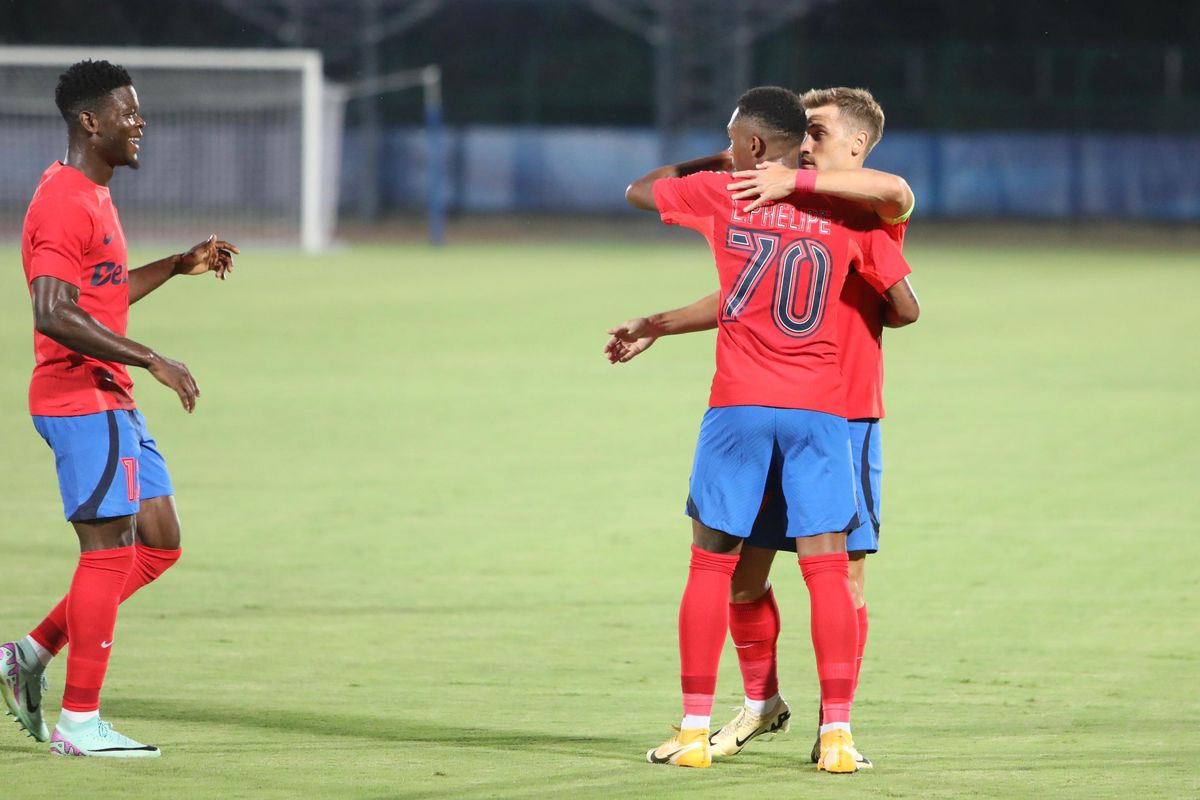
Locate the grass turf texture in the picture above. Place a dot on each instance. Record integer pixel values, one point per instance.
(434, 545)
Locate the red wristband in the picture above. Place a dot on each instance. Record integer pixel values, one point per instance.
(806, 180)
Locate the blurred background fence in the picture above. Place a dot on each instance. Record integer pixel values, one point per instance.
(496, 169)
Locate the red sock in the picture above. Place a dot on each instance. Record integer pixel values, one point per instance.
(754, 627)
(703, 620)
(149, 563)
(91, 619)
(51, 633)
(862, 643)
(834, 632)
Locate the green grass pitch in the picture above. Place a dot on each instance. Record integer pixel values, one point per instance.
(434, 545)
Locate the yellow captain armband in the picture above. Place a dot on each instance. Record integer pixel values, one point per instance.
(905, 215)
(897, 221)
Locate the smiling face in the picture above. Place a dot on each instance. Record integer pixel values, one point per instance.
(115, 127)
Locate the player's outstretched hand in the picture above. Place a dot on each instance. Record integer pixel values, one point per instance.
(768, 181)
(212, 255)
(175, 375)
(630, 339)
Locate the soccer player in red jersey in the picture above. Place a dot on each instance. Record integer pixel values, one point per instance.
(114, 483)
(776, 407)
(843, 125)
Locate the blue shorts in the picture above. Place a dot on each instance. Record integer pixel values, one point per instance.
(107, 463)
(740, 445)
(771, 527)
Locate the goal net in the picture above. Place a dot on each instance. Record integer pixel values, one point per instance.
(242, 143)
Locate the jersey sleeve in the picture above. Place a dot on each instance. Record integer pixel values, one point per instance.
(58, 240)
(688, 201)
(882, 265)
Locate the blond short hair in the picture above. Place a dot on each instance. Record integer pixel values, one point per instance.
(858, 107)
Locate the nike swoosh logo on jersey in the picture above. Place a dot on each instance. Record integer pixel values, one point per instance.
(106, 645)
(109, 238)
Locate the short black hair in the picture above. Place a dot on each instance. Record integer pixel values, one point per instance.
(85, 82)
(778, 110)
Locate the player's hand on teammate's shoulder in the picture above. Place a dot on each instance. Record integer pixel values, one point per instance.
(768, 181)
(175, 375)
(630, 339)
(212, 255)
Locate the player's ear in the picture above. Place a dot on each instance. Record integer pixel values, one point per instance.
(758, 147)
(89, 121)
(859, 145)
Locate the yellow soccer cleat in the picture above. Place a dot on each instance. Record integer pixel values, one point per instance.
(747, 725)
(862, 761)
(837, 753)
(687, 748)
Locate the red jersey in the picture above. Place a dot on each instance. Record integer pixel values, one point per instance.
(860, 335)
(72, 233)
(781, 269)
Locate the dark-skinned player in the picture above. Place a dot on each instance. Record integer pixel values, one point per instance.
(776, 406)
(115, 487)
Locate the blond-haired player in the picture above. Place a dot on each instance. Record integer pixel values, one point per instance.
(843, 125)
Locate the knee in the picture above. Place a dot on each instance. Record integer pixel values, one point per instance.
(747, 593)
(714, 541)
(158, 524)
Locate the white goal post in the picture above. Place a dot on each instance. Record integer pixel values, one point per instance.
(244, 143)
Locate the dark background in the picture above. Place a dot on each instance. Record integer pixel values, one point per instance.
(945, 64)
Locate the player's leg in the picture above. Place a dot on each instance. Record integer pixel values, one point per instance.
(88, 452)
(754, 627)
(867, 461)
(701, 634)
(857, 568)
(834, 627)
(106, 556)
(158, 530)
(105, 562)
(153, 546)
(722, 502)
(867, 450)
(157, 546)
(818, 482)
(96, 458)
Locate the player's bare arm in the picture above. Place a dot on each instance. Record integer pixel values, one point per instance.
(635, 336)
(902, 306)
(640, 193)
(212, 255)
(886, 194)
(56, 314)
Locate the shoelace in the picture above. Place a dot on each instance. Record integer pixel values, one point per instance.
(103, 728)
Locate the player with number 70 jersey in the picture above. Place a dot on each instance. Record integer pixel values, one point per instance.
(781, 269)
(777, 406)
